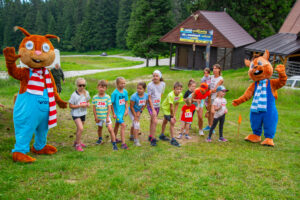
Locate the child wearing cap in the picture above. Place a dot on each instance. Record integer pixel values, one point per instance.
(199, 96)
(219, 110)
(155, 90)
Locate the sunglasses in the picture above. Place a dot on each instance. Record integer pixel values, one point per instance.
(81, 85)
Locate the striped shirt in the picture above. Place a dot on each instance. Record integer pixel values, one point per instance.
(101, 104)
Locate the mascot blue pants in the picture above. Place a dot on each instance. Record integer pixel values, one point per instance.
(268, 120)
(31, 115)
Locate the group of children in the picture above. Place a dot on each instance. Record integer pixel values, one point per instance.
(210, 94)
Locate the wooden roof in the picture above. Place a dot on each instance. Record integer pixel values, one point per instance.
(227, 32)
(292, 21)
(279, 44)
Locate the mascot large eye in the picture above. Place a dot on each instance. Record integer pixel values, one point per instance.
(259, 63)
(46, 47)
(251, 65)
(29, 45)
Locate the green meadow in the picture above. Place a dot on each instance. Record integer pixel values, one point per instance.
(197, 170)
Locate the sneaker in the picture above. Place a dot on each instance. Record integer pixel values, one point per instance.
(201, 132)
(222, 139)
(164, 138)
(188, 137)
(179, 136)
(137, 143)
(124, 146)
(208, 140)
(207, 128)
(118, 141)
(100, 141)
(115, 148)
(153, 142)
(175, 143)
(78, 147)
(83, 145)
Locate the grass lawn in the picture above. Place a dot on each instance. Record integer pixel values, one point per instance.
(84, 63)
(197, 170)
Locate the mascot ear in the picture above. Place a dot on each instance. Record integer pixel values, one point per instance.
(266, 55)
(23, 30)
(247, 62)
(52, 36)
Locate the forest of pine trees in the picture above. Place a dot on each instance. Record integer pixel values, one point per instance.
(87, 25)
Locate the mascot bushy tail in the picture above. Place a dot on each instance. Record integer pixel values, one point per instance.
(35, 106)
(263, 112)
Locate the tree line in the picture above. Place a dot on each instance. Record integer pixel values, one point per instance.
(87, 25)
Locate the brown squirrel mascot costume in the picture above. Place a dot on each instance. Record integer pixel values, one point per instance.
(35, 107)
(263, 112)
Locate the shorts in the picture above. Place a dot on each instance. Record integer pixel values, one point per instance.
(202, 103)
(150, 110)
(187, 122)
(102, 121)
(81, 117)
(168, 117)
(120, 119)
(135, 125)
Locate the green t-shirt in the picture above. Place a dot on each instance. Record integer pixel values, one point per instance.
(171, 99)
(101, 104)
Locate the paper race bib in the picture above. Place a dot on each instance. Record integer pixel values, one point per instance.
(81, 103)
(101, 104)
(176, 99)
(156, 102)
(122, 102)
(188, 115)
(142, 102)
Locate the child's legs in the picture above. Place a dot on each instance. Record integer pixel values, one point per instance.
(100, 130)
(122, 132)
(200, 118)
(222, 120)
(182, 127)
(215, 122)
(111, 132)
(211, 116)
(172, 126)
(136, 128)
(116, 129)
(79, 125)
(187, 128)
(153, 124)
(163, 126)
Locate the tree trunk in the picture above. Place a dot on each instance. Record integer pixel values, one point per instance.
(157, 61)
(147, 62)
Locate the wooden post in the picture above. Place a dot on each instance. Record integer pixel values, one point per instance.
(224, 63)
(156, 64)
(171, 53)
(274, 59)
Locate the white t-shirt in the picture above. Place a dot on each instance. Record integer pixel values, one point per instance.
(213, 83)
(155, 91)
(220, 102)
(77, 99)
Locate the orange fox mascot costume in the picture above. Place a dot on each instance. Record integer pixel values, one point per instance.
(35, 107)
(263, 112)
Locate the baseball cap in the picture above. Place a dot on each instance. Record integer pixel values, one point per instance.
(203, 86)
(222, 88)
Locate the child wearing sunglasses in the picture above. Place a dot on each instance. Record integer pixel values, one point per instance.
(78, 103)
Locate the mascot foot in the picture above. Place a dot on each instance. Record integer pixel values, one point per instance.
(253, 138)
(268, 142)
(48, 149)
(21, 157)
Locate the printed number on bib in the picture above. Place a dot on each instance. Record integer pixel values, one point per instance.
(156, 102)
(82, 103)
(142, 102)
(188, 115)
(101, 104)
(176, 98)
(122, 102)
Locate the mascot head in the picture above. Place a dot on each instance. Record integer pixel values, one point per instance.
(259, 67)
(36, 50)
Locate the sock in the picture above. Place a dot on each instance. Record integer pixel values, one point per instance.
(100, 138)
(173, 139)
(162, 134)
(113, 143)
(186, 134)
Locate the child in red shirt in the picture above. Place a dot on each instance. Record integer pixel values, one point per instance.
(199, 96)
(186, 118)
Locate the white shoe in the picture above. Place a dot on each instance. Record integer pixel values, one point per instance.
(201, 132)
(179, 136)
(188, 137)
(137, 143)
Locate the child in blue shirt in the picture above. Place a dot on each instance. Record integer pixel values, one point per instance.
(138, 102)
(119, 99)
